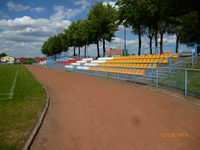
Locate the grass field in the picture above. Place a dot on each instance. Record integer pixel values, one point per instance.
(22, 100)
(177, 81)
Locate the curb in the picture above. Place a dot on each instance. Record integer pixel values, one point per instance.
(32, 136)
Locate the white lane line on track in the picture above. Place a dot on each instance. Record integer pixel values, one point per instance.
(13, 85)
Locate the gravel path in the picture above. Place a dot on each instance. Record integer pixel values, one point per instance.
(91, 113)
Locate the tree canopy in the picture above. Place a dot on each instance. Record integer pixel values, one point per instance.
(155, 18)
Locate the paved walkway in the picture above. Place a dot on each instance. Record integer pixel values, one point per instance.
(90, 113)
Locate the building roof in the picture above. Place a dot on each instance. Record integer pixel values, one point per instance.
(7, 56)
(23, 59)
(38, 59)
(114, 52)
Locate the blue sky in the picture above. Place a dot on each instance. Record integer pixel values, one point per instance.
(25, 25)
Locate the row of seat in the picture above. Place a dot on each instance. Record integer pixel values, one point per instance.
(68, 62)
(138, 61)
(122, 71)
(144, 66)
(162, 56)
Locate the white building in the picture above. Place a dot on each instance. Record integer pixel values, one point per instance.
(8, 59)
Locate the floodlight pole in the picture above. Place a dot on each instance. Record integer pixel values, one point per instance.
(125, 40)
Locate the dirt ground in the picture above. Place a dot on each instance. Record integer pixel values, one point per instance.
(91, 113)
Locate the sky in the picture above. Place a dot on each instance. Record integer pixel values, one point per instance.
(25, 25)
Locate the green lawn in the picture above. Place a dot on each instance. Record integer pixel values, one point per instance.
(177, 81)
(19, 114)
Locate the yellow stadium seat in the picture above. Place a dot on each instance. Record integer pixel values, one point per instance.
(154, 56)
(148, 60)
(156, 60)
(158, 56)
(145, 60)
(138, 66)
(147, 56)
(137, 72)
(145, 66)
(152, 61)
(142, 66)
(141, 61)
(166, 55)
(154, 66)
(132, 61)
(149, 66)
(130, 71)
(166, 61)
(162, 56)
(141, 72)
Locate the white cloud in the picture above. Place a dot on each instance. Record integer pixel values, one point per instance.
(24, 36)
(111, 3)
(62, 12)
(82, 2)
(38, 9)
(16, 7)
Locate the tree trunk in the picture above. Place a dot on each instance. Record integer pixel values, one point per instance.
(198, 50)
(85, 52)
(161, 43)
(74, 51)
(104, 49)
(98, 55)
(79, 51)
(177, 42)
(156, 35)
(150, 36)
(140, 41)
(150, 44)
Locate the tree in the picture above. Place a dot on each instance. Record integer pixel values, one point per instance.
(77, 35)
(132, 13)
(3, 55)
(102, 23)
(156, 14)
(54, 45)
(86, 34)
(190, 11)
(162, 30)
(44, 48)
(70, 36)
(175, 27)
(64, 42)
(109, 24)
(150, 35)
(94, 25)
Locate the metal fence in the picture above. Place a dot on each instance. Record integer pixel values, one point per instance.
(184, 80)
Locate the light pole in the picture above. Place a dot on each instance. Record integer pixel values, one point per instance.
(125, 40)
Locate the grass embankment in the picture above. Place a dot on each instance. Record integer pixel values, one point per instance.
(19, 114)
(177, 81)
